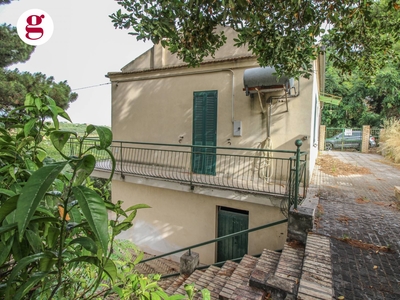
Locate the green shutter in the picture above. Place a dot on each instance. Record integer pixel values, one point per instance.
(205, 106)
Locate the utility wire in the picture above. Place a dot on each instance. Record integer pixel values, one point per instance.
(91, 86)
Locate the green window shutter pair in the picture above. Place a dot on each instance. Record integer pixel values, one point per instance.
(205, 105)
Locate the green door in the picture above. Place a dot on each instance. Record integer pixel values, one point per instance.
(231, 221)
(204, 131)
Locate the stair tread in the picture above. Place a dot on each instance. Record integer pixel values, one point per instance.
(265, 267)
(191, 279)
(220, 279)
(205, 279)
(239, 277)
(170, 290)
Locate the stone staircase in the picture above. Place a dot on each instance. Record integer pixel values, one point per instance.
(298, 272)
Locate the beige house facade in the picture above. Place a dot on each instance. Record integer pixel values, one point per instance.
(163, 112)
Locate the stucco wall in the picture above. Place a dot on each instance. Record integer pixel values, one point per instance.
(159, 57)
(179, 219)
(160, 108)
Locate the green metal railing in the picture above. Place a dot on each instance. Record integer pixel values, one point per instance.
(261, 171)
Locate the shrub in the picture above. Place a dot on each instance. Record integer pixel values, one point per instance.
(390, 140)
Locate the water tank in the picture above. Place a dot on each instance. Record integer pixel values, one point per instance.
(264, 80)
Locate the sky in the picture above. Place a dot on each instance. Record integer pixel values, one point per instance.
(84, 47)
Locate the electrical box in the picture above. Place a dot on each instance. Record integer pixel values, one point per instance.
(237, 128)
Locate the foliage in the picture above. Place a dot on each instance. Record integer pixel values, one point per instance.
(283, 34)
(391, 140)
(15, 84)
(364, 102)
(56, 240)
(12, 48)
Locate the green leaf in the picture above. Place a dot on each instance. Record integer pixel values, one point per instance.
(206, 294)
(28, 126)
(63, 114)
(41, 154)
(34, 240)
(54, 114)
(137, 206)
(189, 289)
(105, 135)
(176, 297)
(86, 259)
(5, 249)
(95, 212)
(52, 237)
(33, 192)
(29, 100)
(110, 269)
(75, 215)
(46, 263)
(7, 193)
(7, 227)
(84, 168)
(139, 258)
(38, 102)
(12, 170)
(7, 207)
(86, 243)
(60, 137)
(27, 286)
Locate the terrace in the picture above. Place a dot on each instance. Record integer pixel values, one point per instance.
(276, 173)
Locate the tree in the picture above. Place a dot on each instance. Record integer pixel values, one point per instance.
(15, 84)
(12, 48)
(283, 34)
(364, 102)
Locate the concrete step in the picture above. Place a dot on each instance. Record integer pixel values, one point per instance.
(316, 278)
(285, 281)
(265, 267)
(237, 286)
(220, 279)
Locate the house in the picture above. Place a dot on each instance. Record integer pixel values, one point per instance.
(209, 149)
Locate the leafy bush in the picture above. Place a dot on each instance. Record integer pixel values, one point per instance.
(56, 241)
(390, 140)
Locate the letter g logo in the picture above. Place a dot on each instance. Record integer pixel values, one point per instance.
(35, 27)
(32, 31)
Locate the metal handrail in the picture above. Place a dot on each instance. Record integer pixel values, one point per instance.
(215, 240)
(242, 169)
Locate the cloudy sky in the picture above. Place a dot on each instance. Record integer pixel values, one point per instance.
(83, 48)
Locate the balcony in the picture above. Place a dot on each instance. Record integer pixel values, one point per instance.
(247, 170)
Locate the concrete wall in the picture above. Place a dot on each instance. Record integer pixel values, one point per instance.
(179, 219)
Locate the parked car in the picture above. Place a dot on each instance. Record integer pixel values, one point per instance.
(347, 141)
